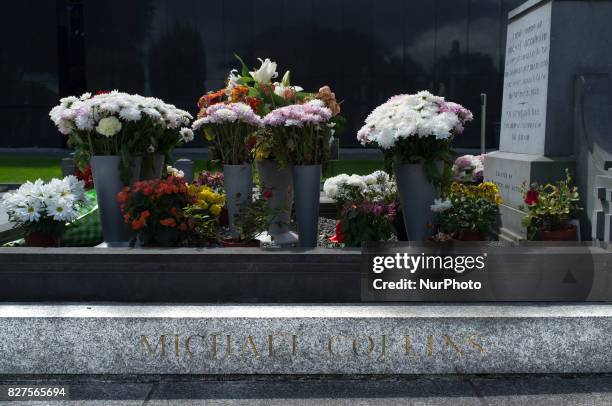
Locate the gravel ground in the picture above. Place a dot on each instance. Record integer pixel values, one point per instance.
(327, 228)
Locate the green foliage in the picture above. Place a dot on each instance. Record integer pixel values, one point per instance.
(473, 208)
(422, 150)
(359, 226)
(254, 218)
(549, 207)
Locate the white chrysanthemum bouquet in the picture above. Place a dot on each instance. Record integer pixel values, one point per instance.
(45, 207)
(375, 187)
(116, 123)
(414, 128)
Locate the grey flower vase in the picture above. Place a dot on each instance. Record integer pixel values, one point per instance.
(152, 166)
(278, 180)
(417, 194)
(238, 182)
(107, 181)
(307, 192)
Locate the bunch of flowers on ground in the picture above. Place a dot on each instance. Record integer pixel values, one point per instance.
(550, 207)
(469, 169)
(204, 212)
(469, 210)
(368, 206)
(214, 180)
(46, 207)
(154, 210)
(415, 128)
(116, 123)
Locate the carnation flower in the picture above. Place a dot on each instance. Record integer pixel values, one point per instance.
(109, 126)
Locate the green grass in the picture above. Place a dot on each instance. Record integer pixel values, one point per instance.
(21, 168)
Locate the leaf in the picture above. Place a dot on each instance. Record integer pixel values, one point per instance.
(245, 68)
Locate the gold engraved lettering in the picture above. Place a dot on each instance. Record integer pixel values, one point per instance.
(472, 342)
(145, 345)
(228, 341)
(250, 343)
(383, 346)
(408, 345)
(188, 344)
(176, 345)
(330, 344)
(293, 344)
(214, 346)
(430, 346)
(451, 344)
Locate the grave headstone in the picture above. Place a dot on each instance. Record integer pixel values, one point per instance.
(549, 43)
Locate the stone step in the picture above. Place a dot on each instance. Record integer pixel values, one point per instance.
(305, 339)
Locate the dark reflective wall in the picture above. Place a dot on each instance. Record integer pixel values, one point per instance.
(366, 50)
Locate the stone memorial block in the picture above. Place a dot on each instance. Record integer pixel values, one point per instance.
(549, 43)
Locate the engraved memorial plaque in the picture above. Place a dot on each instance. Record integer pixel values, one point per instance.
(523, 125)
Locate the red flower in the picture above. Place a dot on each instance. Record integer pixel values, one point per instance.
(532, 197)
(250, 144)
(99, 92)
(267, 194)
(338, 238)
(85, 176)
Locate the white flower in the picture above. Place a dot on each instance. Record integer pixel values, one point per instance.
(281, 90)
(109, 126)
(150, 149)
(232, 81)
(130, 113)
(266, 72)
(186, 134)
(175, 172)
(61, 210)
(441, 205)
(416, 115)
(85, 96)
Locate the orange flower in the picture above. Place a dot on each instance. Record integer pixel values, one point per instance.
(211, 98)
(238, 93)
(123, 195)
(138, 224)
(254, 102)
(169, 222)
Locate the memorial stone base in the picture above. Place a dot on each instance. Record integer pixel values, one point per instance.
(508, 171)
(299, 339)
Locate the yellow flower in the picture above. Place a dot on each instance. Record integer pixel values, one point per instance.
(215, 209)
